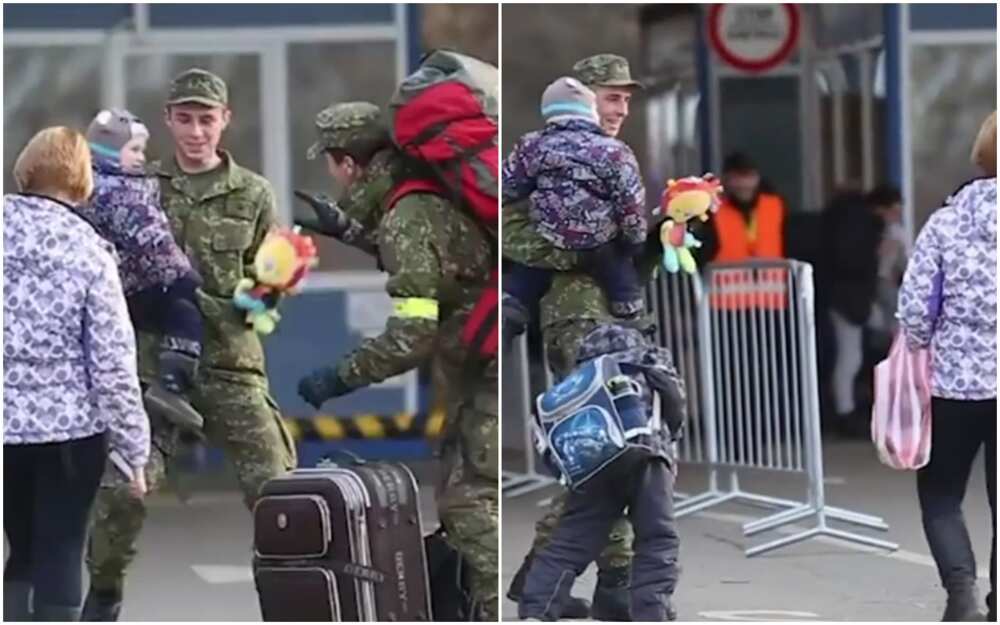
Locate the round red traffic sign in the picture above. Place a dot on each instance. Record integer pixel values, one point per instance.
(753, 37)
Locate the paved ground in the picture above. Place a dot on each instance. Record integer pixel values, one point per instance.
(194, 558)
(822, 579)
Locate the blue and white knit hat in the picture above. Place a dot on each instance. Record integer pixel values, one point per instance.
(568, 98)
(111, 129)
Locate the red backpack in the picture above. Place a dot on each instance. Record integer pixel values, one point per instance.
(445, 115)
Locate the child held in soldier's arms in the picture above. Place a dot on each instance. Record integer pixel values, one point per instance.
(157, 277)
(586, 195)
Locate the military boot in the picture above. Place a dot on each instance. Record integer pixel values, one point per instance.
(611, 596)
(575, 608)
(166, 398)
(514, 321)
(963, 605)
(102, 605)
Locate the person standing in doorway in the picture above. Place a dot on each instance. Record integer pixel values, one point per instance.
(750, 222)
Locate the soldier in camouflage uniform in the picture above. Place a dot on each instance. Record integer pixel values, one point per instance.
(574, 306)
(585, 195)
(439, 260)
(219, 213)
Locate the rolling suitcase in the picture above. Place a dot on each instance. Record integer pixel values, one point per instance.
(341, 543)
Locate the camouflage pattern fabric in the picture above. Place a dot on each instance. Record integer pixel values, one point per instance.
(584, 186)
(198, 86)
(468, 505)
(605, 70)
(220, 225)
(522, 243)
(220, 229)
(434, 252)
(347, 123)
(362, 201)
(117, 519)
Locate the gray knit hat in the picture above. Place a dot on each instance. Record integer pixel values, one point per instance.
(113, 128)
(568, 98)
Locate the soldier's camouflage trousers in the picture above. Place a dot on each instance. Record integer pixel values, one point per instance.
(241, 418)
(117, 519)
(468, 505)
(562, 342)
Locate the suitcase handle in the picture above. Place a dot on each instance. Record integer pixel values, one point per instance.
(329, 458)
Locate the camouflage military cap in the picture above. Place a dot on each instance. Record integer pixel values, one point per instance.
(198, 85)
(609, 338)
(343, 124)
(605, 70)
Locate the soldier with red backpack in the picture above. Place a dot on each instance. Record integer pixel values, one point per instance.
(418, 192)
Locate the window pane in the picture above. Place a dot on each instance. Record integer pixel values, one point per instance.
(147, 79)
(46, 87)
(952, 89)
(332, 73)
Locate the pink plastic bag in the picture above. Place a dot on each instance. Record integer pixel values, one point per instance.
(901, 416)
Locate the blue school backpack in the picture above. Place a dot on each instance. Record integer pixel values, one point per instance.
(589, 420)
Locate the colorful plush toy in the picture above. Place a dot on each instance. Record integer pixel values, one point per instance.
(281, 263)
(683, 200)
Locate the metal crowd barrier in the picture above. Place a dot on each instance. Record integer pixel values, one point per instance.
(674, 300)
(744, 340)
(759, 397)
(517, 383)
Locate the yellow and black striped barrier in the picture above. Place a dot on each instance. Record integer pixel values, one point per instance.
(366, 426)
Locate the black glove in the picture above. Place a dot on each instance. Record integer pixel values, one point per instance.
(321, 385)
(330, 219)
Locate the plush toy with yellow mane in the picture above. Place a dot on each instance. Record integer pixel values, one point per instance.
(683, 200)
(281, 263)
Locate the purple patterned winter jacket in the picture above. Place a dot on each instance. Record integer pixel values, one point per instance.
(125, 210)
(584, 186)
(68, 347)
(949, 295)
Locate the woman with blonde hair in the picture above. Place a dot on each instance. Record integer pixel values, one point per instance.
(71, 391)
(948, 302)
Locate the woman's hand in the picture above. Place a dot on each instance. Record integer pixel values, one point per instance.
(138, 484)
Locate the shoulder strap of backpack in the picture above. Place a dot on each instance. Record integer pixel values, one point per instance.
(424, 185)
(412, 186)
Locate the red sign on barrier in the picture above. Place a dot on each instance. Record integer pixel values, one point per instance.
(754, 37)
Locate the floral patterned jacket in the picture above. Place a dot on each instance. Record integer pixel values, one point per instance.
(948, 299)
(584, 186)
(125, 210)
(69, 349)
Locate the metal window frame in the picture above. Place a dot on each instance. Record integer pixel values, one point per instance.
(951, 37)
(907, 40)
(865, 54)
(906, 120)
